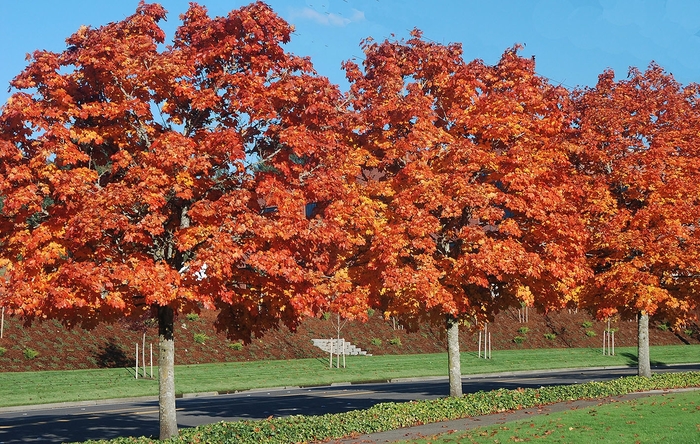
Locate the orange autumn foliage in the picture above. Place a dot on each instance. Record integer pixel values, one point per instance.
(638, 146)
(471, 166)
(135, 175)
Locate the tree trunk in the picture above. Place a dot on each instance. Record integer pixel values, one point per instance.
(453, 358)
(644, 365)
(166, 373)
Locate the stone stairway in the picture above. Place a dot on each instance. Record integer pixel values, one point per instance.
(325, 345)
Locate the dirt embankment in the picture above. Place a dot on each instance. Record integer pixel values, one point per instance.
(50, 346)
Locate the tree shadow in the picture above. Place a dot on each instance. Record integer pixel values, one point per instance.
(112, 355)
(681, 338)
(631, 358)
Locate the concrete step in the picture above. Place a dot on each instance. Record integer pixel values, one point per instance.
(338, 344)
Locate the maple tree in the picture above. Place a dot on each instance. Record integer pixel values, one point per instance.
(470, 166)
(138, 179)
(639, 150)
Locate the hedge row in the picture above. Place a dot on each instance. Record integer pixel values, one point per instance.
(390, 416)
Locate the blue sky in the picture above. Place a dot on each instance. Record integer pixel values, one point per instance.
(573, 41)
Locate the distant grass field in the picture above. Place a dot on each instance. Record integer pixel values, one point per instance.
(671, 418)
(28, 388)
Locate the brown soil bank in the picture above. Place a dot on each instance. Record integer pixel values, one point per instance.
(49, 346)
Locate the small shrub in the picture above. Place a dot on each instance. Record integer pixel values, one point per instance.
(3, 350)
(370, 312)
(200, 338)
(587, 324)
(519, 339)
(238, 346)
(30, 353)
(192, 317)
(523, 330)
(550, 336)
(395, 341)
(664, 326)
(376, 342)
(326, 316)
(590, 333)
(687, 331)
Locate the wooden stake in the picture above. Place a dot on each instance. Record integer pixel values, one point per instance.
(330, 361)
(487, 338)
(2, 322)
(489, 345)
(605, 335)
(613, 343)
(151, 360)
(479, 343)
(137, 360)
(143, 354)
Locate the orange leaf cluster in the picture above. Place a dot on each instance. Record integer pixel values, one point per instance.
(135, 176)
(223, 172)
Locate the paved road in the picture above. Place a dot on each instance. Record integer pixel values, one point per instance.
(139, 417)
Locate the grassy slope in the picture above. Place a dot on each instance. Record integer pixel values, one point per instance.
(61, 386)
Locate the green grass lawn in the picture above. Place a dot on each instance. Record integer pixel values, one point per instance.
(65, 386)
(669, 418)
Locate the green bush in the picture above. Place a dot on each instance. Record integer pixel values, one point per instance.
(587, 324)
(370, 312)
(688, 332)
(238, 346)
(30, 353)
(519, 339)
(192, 317)
(550, 336)
(523, 330)
(395, 341)
(3, 350)
(376, 342)
(200, 338)
(590, 333)
(664, 326)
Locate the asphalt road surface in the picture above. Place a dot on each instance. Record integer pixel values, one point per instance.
(111, 419)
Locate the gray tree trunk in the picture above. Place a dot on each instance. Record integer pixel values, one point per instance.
(453, 357)
(644, 365)
(166, 373)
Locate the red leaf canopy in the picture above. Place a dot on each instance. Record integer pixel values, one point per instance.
(471, 165)
(639, 148)
(134, 174)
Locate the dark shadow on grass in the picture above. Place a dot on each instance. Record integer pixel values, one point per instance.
(323, 361)
(631, 358)
(633, 361)
(112, 355)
